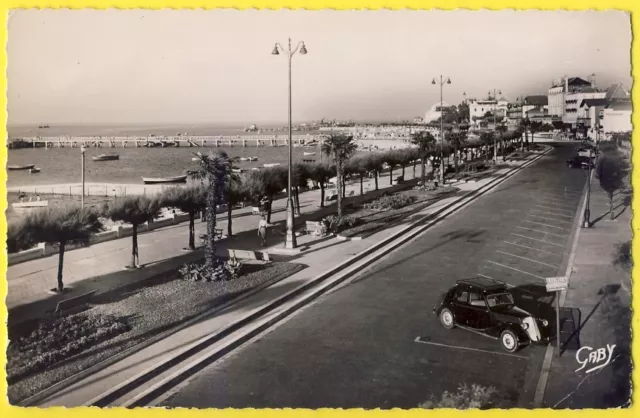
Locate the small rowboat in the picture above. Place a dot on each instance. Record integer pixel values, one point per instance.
(195, 158)
(34, 170)
(245, 158)
(253, 158)
(271, 165)
(159, 180)
(106, 157)
(237, 170)
(20, 167)
(309, 153)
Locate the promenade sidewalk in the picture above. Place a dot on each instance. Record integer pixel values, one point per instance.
(321, 255)
(598, 299)
(29, 282)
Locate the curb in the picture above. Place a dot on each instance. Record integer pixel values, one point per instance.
(56, 387)
(400, 237)
(548, 355)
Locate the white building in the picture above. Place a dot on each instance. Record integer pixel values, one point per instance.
(478, 108)
(616, 117)
(566, 95)
(435, 112)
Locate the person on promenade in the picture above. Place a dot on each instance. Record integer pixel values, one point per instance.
(262, 230)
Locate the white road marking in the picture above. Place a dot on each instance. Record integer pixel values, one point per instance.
(541, 232)
(552, 208)
(515, 269)
(531, 248)
(550, 226)
(536, 239)
(550, 219)
(551, 213)
(528, 259)
(543, 200)
(419, 340)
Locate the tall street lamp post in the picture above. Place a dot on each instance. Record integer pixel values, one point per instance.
(290, 242)
(82, 151)
(442, 82)
(586, 219)
(495, 124)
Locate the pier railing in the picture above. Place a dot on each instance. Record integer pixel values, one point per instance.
(182, 140)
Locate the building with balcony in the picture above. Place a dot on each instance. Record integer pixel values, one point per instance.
(566, 95)
(478, 108)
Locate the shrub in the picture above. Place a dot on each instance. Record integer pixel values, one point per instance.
(334, 224)
(195, 272)
(622, 255)
(390, 202)
(56, 340)
(467, 397)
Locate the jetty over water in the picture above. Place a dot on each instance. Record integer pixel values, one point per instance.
(171, 141)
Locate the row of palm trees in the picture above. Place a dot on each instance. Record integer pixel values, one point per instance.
(220, 184)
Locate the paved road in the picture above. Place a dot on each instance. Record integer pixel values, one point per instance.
(356, 347)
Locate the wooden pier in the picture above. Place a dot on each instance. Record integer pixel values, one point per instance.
(172, 141)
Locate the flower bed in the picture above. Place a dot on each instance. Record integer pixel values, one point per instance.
(157, 307)
(58, 339)
(373, 220)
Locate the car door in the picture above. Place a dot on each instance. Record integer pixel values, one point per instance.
(460, 305)
(478, 315)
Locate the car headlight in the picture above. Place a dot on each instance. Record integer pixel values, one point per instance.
(545, 322)
(525, 325)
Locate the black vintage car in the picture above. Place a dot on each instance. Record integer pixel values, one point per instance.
(486, 306)
(580, 161)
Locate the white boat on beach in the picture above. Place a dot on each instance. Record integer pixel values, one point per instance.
(271, 165)
(237, 170)
(309, 153)
(253, 158)
(19, 206)
(195, 158)
(245, 158)
(161, 180)
(20, 167)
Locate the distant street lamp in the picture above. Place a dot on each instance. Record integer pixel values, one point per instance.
(495, 124)
(442, 82)
(290, 242)
(586, 219)
(82, 150)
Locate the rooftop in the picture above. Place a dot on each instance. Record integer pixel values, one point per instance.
(620, 105)
(537, 100)
(594, 102)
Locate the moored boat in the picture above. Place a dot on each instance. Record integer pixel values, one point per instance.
(253, 158)
(106, 157)
(159, 180)
(237, 170)
(309, 153)
(20, 167)
(245, 158)
(271, 165)
(34, 170)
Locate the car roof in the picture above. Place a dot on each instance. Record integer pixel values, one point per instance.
(483, 283)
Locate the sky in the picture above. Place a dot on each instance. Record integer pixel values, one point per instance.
(169, 67)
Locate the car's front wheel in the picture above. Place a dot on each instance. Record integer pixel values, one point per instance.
(509, 341)
(446, 318)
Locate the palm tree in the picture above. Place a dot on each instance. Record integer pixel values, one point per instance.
(426, 143)
(191, 200)
(535, 126)
(275, 179)
(373, 164)
(339, 148)
(487, 139)
(301, 175)
(134, 210)
(216, 169)
(457, 139)
(524, 125)
(54, 225)
(320, 173)
(357, 166)
(235, 193)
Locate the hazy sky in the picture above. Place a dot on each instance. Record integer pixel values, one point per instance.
(139, 67)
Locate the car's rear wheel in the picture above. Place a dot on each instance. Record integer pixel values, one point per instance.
(446, 318)
(509, 341)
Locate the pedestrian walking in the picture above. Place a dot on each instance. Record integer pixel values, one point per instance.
(262, 230)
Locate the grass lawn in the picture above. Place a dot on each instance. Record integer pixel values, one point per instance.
(371, 220)
(144, 312)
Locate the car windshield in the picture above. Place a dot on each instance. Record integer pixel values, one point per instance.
(499, 299)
